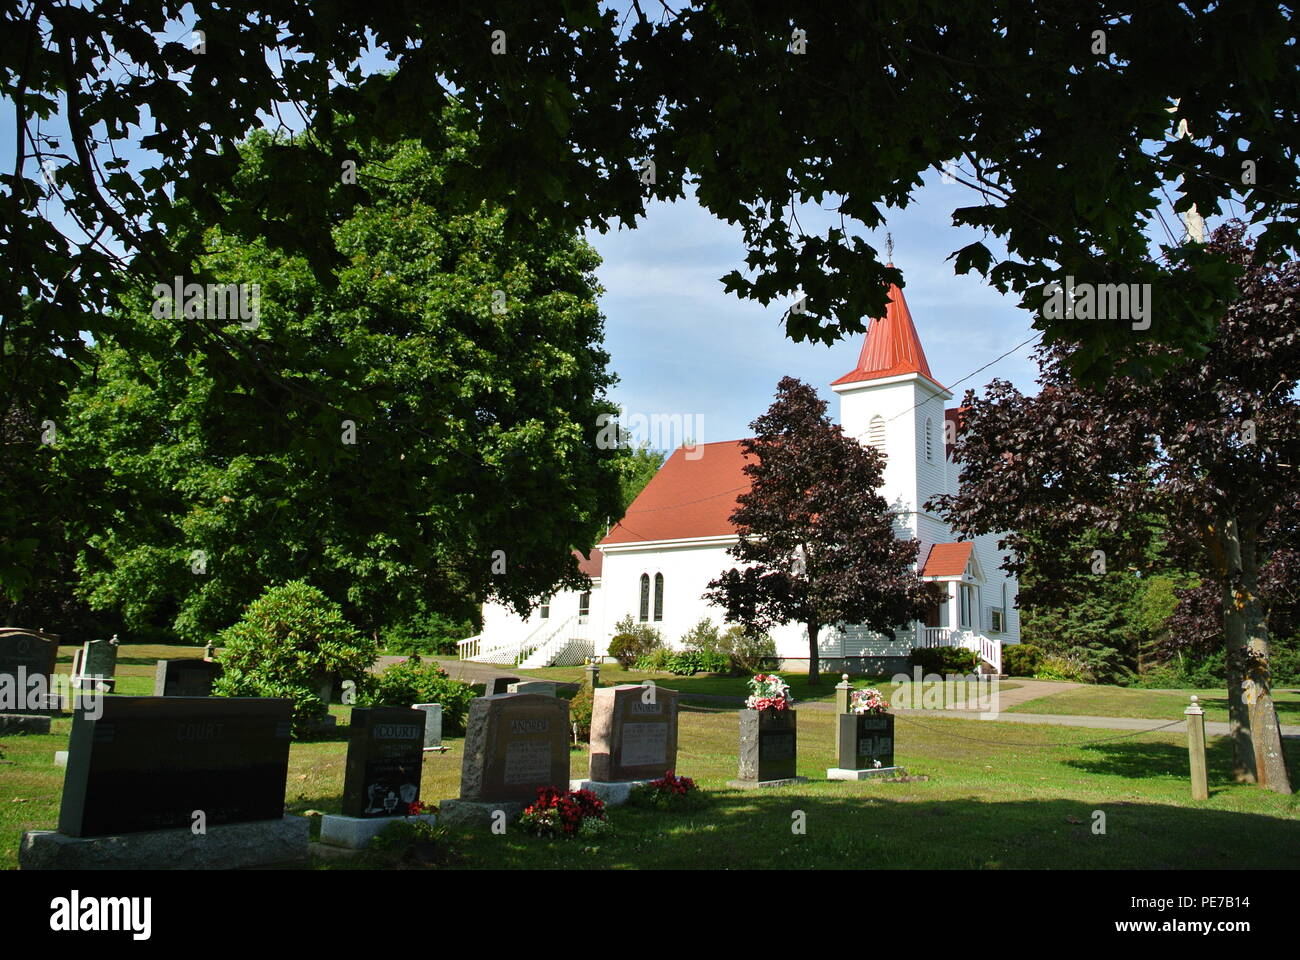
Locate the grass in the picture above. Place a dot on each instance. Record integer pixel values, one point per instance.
(999, 796)
(1106, 701)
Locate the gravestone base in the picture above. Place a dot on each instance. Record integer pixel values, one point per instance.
(95, 684)
(225, 846)
(24, 723)
(478, 814)
(762, 784)
(614, 793)
(839, 773)
(355, 833)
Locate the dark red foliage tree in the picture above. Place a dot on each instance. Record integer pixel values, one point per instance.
(1212, 446)
(815, 538)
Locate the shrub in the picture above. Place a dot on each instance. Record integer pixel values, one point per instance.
(746, 650)
(656, 661)
(428, 634)
(1064, 666)
(291, 640)
(411, 682)
(580, 713)
(633, 641)
(1020, 659)
(943, 660)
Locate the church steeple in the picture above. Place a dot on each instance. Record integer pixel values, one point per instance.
(892, 347)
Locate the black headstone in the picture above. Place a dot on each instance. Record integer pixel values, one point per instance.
(185, 678)
(768, 744)
(149, 763)
(385, 760)
(864, 739)
(27, 662)
(499, 685)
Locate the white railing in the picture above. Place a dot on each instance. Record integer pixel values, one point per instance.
(468, 649)
(985, 648)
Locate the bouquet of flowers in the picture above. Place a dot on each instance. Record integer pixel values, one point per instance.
(769, 692)
(562, 812)
(669, 792)
(868, 701)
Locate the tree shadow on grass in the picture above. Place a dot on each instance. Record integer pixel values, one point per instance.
(1142, 761)
(884, 826)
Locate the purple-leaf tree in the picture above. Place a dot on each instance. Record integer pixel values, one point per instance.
(1213, 445)
(816, 539)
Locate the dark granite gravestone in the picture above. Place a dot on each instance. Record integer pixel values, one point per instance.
(95, 664)
(385, 758)
(768, 745)
(515, 743)
(866, 739)
(185, 678)
(498, 685)
(27, 663)
(148, 763)
(633, 733)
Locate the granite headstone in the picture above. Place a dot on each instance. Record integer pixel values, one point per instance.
(768, 745)
(866, 740)
(633, 733)
(27, 664)
(95, 664)
(514, 744)
(185, 678)
(497, 685)
(149, 763)
(432, 724)
(385, 760)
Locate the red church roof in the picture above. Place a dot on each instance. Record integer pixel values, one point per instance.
(947, 559)
(687, 498)
(892, 346)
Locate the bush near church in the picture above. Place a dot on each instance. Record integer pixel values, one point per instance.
(1020, 659)
(633, 641)
(428, 634)
(290, 641)
(413, 681)
(943, 660)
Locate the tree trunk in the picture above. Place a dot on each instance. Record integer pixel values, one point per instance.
(814, 661)
(1257, 755)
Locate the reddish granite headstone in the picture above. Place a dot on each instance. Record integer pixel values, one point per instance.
(515, 743)
(633, 733)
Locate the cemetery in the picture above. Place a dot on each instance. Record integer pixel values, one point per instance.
(193, 780)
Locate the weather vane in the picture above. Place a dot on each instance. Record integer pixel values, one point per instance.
(889, 246)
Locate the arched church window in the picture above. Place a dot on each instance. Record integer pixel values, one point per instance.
(659, 597)
(645, 597)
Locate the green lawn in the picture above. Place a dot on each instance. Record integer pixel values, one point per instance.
(1025, 800)
(1103, 701)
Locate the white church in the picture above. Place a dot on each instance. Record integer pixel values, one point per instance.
(655, 564)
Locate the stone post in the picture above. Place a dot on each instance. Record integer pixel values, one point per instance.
(842, 691)
(1196, 749)
(593, 673)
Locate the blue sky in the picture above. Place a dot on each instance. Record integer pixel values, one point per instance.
(680, 344)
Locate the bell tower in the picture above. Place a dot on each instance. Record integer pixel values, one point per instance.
(891, 401)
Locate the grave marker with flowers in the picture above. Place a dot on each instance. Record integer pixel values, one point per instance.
(768, 735)
(864, 736)
(633, 739)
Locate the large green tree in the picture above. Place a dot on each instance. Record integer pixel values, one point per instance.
(462, 372)
(815, 537)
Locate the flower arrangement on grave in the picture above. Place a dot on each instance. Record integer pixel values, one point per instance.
(870, 701)
(563, 813)
(669, 792)
(419, 808)
(769, 692)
